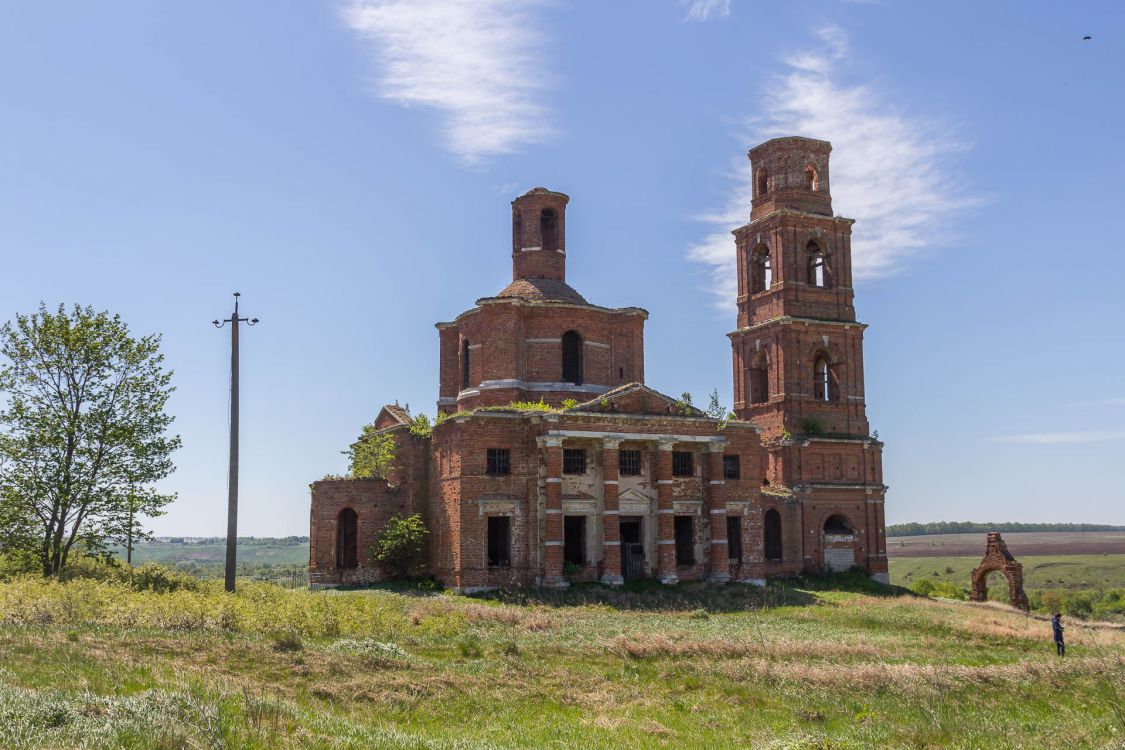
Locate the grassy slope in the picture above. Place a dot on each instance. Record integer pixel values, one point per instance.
(783, 668)
(169, 553)
(1069, 572)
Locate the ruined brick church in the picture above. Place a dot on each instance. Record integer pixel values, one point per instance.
(617, 481)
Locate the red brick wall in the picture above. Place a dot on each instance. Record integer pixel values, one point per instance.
(374, 502)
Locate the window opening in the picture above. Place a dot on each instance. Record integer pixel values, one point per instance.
(572, 358)
(574, 460)
(629, 463)
(732, 468)
(499, 461)
(682, 464)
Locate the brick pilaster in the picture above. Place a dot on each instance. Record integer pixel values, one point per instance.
(665, 525)
(553, 524)
(716, 507)
(611, 527)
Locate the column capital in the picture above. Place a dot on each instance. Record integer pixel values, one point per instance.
(665, 445)
(610, 444)
(717, 446)
(551, 441)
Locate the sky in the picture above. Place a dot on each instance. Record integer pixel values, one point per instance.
(348, 167)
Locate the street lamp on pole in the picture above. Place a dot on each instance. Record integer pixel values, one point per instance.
(232, 480)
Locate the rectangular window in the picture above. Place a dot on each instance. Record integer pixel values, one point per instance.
(574, 460)
(499, 541)
(734, 539)
(731, 468)
(629, 463)
(574, 539)
(499, 461)
(682, 465)
(685, 541)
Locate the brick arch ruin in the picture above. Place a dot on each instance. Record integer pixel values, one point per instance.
(997, 557)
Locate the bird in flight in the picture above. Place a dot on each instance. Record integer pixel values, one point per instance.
(1087, 38)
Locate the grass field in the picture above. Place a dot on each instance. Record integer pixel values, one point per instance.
(100, 665)
(1019, 544)
(1066, 572)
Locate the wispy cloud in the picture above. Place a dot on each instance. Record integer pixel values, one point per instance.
(1061, 438)
(1116, 401)
(890, 169)
(478, 62)
(701, 10)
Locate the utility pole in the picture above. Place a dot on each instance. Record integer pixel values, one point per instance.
(232, 480)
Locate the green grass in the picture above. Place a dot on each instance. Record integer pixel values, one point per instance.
(796, 665)
(1042, 572)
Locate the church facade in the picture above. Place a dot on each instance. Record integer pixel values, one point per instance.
(553, 462)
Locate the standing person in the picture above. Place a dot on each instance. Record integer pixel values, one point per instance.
(1057, 626)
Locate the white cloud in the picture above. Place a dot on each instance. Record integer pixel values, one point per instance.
(889, 170)
(479, 62)
(701, 10)
(1061, 438)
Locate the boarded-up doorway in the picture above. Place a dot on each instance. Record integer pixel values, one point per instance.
(632, 548)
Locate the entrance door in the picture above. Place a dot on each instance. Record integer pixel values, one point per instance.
(632, 549)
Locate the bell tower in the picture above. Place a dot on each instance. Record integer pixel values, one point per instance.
(798, 361)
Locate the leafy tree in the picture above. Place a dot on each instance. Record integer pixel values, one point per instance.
(373, 455)
(83, 432)
(402, 544)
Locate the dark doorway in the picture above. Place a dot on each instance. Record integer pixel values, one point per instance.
(772, 530)
(347, 540)
(632, 549)
(685, 541)
(574, 540)
(499, 541)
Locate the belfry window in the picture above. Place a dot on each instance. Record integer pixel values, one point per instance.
(761, 271)
(811, 181)
(572, 358)
(759, 379)
(549, 229)
(465, 364)
(822, 379)
(817, 266)
(763, 182)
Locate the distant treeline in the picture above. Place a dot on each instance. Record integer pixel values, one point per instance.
(973, 527)
(267, 541)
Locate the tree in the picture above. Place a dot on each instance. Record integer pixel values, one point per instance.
(402, 544)
(373, 455)
(83, 432)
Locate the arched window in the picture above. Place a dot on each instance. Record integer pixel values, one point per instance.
(517, 232)
(549, 229)
(761, 272)
(837, 524)
(817, 265)
(464, 363)
(822, 379)
(772, 532)
(572, 357)
(347, 540)
(759, 379)
(812, 182)
(763, 182)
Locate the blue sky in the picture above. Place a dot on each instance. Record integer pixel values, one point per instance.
(348, 168)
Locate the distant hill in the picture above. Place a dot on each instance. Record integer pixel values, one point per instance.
(974, 527)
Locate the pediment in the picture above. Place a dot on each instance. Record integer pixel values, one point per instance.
(636, 398)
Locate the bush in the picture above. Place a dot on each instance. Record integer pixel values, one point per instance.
(402, 544)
